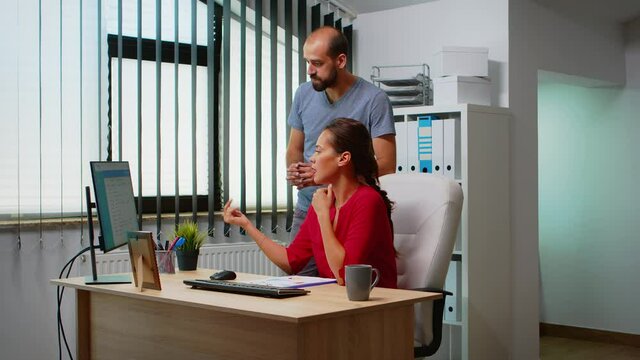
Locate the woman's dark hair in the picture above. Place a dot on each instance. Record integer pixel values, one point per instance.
(352, 136)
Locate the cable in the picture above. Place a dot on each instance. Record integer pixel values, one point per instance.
(60, 293)
(60, 324)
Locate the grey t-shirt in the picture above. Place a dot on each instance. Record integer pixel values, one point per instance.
(311, 112)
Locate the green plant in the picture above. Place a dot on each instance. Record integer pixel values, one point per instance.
(193, 237)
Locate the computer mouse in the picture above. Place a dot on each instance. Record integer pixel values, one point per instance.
(223, 275)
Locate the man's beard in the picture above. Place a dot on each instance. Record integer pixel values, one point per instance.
(322, 85)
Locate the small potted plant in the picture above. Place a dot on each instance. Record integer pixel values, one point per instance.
(189, 249)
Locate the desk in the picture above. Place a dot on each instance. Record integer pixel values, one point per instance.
(119, 322)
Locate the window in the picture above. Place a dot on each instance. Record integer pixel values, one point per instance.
(125, 137)
(62, 106)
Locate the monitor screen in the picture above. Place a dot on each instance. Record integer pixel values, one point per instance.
(115, 203)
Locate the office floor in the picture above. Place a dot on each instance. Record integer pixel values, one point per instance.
(556, 348)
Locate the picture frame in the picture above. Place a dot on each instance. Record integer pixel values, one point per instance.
(143, 260)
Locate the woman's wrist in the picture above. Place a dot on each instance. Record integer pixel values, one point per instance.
(247, 225)
(323, 216)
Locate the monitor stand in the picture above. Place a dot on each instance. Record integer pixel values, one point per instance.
(108, 279)
(94, 279)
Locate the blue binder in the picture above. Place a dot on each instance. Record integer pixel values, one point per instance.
(425, 143)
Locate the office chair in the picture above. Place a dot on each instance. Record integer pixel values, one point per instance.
(425, 221)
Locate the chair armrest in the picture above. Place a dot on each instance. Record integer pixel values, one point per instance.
(436, 325)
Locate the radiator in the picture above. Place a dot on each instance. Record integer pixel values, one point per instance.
(241, 257)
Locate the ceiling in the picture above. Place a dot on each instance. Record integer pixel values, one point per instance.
(367, 6)
(609, 11)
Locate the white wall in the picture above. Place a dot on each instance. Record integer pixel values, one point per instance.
(523, 176)
(543, 39)
(589, 207)
(632, 43)
(589, 202)
(582, 47)
(413, 34)
(28, 301)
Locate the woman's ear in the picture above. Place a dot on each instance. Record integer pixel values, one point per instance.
(344, 158)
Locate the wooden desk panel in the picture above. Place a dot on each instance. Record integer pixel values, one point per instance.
(117, 321)
(386, 334)
(139, 329)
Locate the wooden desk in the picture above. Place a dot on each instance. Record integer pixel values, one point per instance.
(118, 322)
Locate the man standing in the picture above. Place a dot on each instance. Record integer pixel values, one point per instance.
(333, 92)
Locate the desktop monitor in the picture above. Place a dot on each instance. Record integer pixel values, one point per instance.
(115, 202)
(116, 212)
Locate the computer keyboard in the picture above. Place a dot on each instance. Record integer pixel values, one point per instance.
(245, 289)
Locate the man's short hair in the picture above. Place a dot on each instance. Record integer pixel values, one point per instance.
(338, 44)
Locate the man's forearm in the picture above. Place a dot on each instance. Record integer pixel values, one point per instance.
(385, 150)
(294, 157)
(386, 167)
(295, 148)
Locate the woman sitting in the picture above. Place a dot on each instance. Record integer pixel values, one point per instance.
(349, 221)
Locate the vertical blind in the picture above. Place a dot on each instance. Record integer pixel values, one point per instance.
(193, 94)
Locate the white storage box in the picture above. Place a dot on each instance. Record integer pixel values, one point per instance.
(461, 90)
(462, 61)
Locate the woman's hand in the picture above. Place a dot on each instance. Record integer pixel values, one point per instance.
(322, 200)
(234, 216)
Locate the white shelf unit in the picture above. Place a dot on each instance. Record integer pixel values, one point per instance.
(482, 329)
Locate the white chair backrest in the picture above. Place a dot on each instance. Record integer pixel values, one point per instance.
(425, 222)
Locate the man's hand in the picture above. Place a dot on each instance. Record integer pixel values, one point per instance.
(300, 175)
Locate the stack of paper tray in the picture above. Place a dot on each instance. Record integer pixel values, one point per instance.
(401, 94)
(404, 91)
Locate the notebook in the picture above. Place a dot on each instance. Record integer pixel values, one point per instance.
(292, 282)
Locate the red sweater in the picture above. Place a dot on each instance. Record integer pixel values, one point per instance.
(363, 229)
